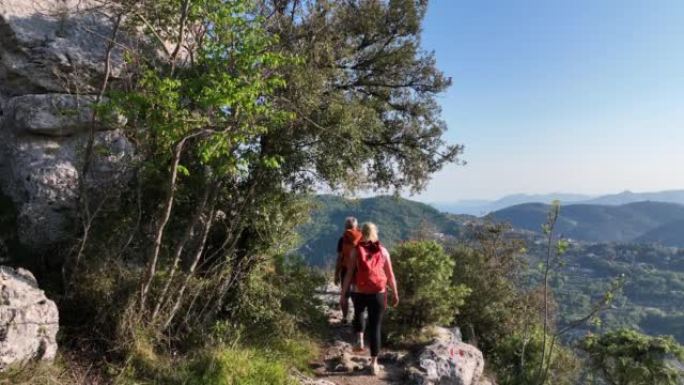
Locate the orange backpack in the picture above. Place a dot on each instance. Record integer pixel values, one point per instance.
(350, 239)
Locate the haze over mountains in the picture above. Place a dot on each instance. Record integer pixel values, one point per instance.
(483, 207)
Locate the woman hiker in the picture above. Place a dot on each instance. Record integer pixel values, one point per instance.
(371, 272)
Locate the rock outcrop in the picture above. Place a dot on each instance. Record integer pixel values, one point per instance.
(448, 361)
(29, 321)
(445, 361)
(52, 56)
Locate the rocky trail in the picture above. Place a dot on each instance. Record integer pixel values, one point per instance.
(339, 364)
(446, 361)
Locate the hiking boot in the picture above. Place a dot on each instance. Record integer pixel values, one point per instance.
(374, 369)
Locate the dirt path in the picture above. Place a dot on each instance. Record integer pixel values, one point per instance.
(338, 363)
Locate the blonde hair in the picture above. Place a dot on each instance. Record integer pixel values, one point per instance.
(370, 232)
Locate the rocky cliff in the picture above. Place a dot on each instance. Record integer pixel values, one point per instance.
(52, 65)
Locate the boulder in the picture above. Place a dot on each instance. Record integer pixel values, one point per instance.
(448, 361)
(29, 321)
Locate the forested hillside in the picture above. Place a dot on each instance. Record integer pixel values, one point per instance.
(652, 298)
(397, 219)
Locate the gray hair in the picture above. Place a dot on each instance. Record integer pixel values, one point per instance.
(350, 223)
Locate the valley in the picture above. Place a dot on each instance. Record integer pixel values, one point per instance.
(605, 242)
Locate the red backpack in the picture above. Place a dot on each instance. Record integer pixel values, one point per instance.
(370, 268)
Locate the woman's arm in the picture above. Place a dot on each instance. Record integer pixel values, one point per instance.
(389, 272)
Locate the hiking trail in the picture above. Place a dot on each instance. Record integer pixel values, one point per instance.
(338, 364)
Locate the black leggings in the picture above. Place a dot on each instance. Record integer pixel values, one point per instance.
(375, 303)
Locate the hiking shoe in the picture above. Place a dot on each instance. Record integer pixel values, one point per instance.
(358, 349)
(374, 369)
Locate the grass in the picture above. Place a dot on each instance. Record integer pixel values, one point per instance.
(238, 367)
(268, 362)
(60, 372)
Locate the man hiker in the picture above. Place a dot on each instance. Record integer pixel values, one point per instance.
(347, 243)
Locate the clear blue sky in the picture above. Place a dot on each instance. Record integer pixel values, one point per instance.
(583, 96)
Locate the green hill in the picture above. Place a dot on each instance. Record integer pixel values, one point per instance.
(597, 223)
(397, 219)
(669, 234)
(654, 289)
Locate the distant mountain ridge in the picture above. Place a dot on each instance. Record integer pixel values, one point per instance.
(653, 296)
(484, 207)
(671, 196)
(633, 222)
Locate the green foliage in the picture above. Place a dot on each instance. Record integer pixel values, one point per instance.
(42, 373)
(222, 364)
(238, 367)
(276, 301)
(428, 295)
(652, 297)
(516, 359)
(490, 266)
(236, 117)
(627, 357)
(222, 98)
(365, 95)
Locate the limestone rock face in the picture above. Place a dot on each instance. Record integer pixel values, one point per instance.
(41, 176)
(54, 115)
(29, 321)
(448, 361)
(51, 66)
(50, 46)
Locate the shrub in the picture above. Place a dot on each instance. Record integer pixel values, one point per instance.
(277, 301)
(428, 295)
(490, 264)
(627, 357)
(516, 359)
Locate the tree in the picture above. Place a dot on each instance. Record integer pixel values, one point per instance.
(428, 294)
(239, 110)
(627, 357)
(364, 96)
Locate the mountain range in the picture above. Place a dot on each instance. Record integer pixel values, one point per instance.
(628, 223)
(483, 207)
(609, 240)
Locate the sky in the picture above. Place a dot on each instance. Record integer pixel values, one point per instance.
(581, 96)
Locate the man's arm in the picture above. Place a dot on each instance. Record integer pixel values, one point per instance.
(338, 263)
(338, 268)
